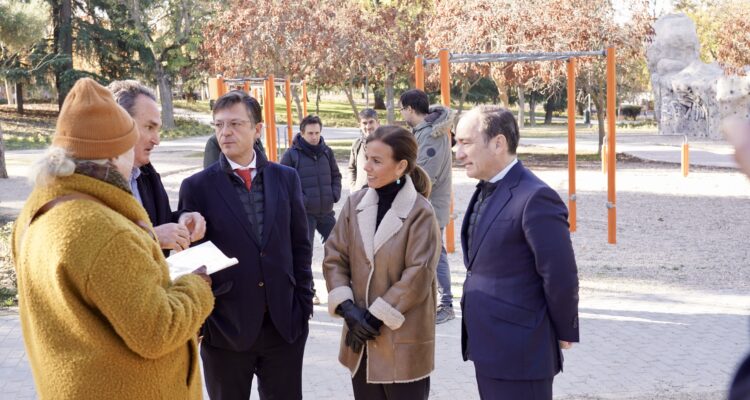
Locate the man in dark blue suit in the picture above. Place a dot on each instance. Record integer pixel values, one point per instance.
(520, 298)
(255, 212)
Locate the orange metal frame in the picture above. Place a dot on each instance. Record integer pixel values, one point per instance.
(608, 160)
(218, 87)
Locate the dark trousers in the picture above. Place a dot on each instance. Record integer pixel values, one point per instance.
(498, 389)
(417, 390)
(322, 223)
(278, 365)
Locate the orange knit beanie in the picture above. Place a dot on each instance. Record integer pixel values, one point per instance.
(91, 125)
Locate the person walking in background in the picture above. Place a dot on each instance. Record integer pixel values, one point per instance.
(431, 127)
(100, 316)
(380, 272)
(368, 122)
(175, 230)
(520, 297)
(320, 177)
(254, 212)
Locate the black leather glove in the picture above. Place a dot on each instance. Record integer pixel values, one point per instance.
(355, 319)
(353, 342)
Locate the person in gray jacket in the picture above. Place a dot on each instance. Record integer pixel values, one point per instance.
(431, 127)
(368, 122)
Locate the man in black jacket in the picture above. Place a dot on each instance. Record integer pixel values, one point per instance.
(319, 173)
(175, 230)
(320, 177)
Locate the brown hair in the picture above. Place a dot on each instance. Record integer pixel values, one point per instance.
(404, 147)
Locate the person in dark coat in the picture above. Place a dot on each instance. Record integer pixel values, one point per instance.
(319, 174)
(174, 229)
(520, 297)
(255, 212)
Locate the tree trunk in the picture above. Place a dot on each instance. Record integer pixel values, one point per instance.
(390, 117)
(348, 90)
(19, 97)
(8, 93)
(532, 110)
(297, 102)
(367, 93)
(464, 93)
(3, 170)
(503, 93)
(379, 101)
(317, 101)
(599, 103)
(548, 109)
(63, 33)
(521, 106)
(165, 95)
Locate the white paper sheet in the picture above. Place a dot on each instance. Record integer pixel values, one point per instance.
(206, 254)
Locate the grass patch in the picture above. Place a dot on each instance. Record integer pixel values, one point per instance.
(332, 113)
(34, 129)
(8, 283)
(197, 106)
(186, 127)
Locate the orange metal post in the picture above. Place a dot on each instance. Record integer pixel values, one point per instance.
(267, 116)
(288, 95)
(419, 72)
(445, 97)
(304, 98)
(611, 142)
(572, 144)
(685, 157)
(273, 149)
(246, 87)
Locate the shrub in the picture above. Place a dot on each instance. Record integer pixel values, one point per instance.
(630, 111)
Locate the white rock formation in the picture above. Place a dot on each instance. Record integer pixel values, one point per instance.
(685, 88)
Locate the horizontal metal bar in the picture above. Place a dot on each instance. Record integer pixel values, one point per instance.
(517, 57)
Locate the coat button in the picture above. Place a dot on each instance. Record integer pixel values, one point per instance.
(262, 253)
(468, 274)
(260, 284)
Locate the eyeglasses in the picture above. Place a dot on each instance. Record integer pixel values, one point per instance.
(233, 125)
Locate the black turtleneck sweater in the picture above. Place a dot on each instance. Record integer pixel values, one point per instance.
(386, 194)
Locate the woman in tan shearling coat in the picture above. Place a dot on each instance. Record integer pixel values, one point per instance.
(380, 271)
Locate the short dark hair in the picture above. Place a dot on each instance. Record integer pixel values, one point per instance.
(496, 120)
(125, 93)
(309, 120)
(368, 113)
(238, 96)
(417, 100)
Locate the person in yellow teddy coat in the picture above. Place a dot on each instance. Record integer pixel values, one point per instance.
(101, 318)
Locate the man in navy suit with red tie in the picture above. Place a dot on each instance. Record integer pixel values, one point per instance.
(254, 211)
(520, 298)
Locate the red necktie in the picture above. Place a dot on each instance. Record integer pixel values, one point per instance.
(246, 175)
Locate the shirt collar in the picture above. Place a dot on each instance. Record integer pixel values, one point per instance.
(504, 172)
(235, 166)
(135, 174)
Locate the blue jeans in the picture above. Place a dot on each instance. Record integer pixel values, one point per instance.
(444, 276)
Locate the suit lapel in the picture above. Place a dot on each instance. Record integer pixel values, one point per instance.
(229, 195)
(271, 198)
(465, 227)
(497, 202)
